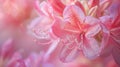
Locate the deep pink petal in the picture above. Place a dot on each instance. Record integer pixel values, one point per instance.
(57, 5)
(70, 28)
(57, 27)
(93, 3)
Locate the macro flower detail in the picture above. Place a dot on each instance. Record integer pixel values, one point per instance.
(79, 33)
(59, 33)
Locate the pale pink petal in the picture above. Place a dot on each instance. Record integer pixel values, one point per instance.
(40, 28)
(104, 5)
(93, 31)
(107, 21)
(91, 20)
(91, 48)
(69, 50)
(57, 5)
(74, 15)
(93, 27)
(45, 8)
(79, 4)
(52, 48)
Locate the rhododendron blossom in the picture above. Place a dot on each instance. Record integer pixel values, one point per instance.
(51, 33)
(80, 31)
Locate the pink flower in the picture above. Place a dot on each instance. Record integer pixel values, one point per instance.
(111, 23)
(79, 30)
(40, 27)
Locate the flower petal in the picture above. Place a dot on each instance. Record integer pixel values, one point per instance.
(74, 15)
(91, 48)
(40, 28)
(115, 33)
(57, 27)
(57, 5)
(93, 11)
(69, 51)
(105, 4)
(44, 8)
(93, 3)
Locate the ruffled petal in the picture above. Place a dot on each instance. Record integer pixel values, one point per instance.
(91, 20)
(69, 50)
(74, 15)
(40, 28)
(44, 8)
(91, 48)
(96, 39)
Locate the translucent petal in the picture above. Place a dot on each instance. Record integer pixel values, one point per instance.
(74, 15)
(69, 52)
(40, 28)
(91, 48)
